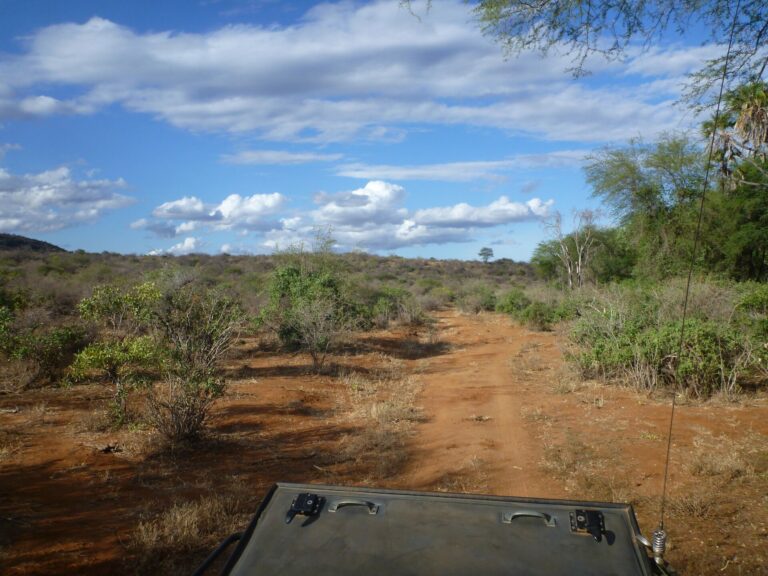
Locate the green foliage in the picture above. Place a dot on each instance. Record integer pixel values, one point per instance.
(513, 302)
(309, 305)
(396, 304)
(121, 310)
(632, 334)
(292, 292)
(753, 302)
(117, 360)
(197, 326)
(50, 350)
(538, 315)
(485, 254)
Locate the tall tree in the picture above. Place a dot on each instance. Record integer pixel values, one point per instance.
(651, 190)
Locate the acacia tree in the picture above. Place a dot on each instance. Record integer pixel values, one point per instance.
(486, 254)
(610, 27)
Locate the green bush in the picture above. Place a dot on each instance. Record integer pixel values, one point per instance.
(309, 309)
(538, 315)
(513, 302)
(49, 351)
(631, 333)
(397, 304)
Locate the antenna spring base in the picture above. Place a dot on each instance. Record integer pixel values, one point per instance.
(659, 545)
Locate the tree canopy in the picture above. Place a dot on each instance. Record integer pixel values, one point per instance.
(610, 28)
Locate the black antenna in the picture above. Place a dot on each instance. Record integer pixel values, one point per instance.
(659, 536)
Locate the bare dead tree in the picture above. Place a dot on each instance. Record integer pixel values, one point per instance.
(575, 248)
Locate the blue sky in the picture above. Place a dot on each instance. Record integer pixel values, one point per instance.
(244, 125)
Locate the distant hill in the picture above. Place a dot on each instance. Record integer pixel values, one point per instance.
(15, 242)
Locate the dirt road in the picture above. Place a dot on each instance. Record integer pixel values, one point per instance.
(477, 397)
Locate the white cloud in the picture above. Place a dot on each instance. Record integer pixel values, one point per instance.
(323, 79)
(374, 218)
(278, 157)
(501, 211)
(376, 203)
(187, 207)
(53, 200)
(673, 61)
(189, 245)
(464, 171)
(235, 212)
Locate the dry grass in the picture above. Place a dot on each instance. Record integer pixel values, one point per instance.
(567, 381)
(566, 459)
(728, 458)
(178, 539)
(696, 504)
(528, 361)
(10, 443)
(470, 477)
(534, 415)
(384, 403)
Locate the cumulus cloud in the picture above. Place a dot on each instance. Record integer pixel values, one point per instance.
(322, 79)
(278, 157)
(189, 245)
(501, 211)
(376, 203)
(54, 199)
(374, 218)
(235, 212)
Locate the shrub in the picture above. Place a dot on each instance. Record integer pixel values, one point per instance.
(121, 311)
(309, 310)
(198, 326)
(538, 315)
(397, 304)
(477, 298)
(179, 407)
(628, 333)
(122, 362)
(49, 351)
(513, 302)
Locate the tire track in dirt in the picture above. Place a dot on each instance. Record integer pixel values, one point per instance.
(475, 437)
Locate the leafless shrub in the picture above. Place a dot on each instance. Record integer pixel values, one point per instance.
(320, 326)
(698, 504)
(178, 407)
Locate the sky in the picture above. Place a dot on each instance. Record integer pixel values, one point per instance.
(244, 126)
